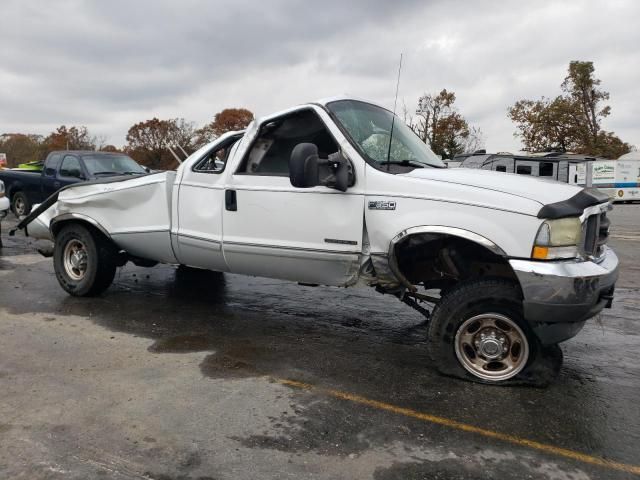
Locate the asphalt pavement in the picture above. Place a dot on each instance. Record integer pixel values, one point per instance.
(173, 376)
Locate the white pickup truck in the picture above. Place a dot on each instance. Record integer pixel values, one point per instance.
(342, 193)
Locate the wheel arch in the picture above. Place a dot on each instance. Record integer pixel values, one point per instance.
(61, 221)
(13, 188)
(429, 241)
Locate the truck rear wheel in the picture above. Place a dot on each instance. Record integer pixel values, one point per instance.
(478, 332)
(20, 204)
(84, 261)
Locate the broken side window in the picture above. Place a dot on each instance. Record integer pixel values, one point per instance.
(270, 152)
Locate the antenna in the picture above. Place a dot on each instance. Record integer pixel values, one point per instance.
(393, 119)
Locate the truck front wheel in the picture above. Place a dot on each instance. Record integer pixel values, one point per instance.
(478, 331)
(84, 261)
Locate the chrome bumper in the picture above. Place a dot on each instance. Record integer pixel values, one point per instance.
(4, 206)
(560, 296)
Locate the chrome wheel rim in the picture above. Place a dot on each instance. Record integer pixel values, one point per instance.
(492, 347)
(19, 206)
(74, 259)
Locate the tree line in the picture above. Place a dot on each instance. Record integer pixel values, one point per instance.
(569, 122)
(148, 142)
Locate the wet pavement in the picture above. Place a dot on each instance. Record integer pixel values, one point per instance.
(175, 375)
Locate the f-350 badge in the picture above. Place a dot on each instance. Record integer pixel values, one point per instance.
(382, 205)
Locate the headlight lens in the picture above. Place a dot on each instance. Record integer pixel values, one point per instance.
(557, 239)
(1, 189)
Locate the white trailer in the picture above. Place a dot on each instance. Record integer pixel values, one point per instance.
(619, 179)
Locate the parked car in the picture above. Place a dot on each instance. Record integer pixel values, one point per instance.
(28, 187)
(315, 195)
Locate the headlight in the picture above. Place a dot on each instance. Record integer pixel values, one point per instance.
(1, 189)
(557, 239)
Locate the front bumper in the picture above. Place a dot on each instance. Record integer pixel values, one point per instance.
(4, 206)
(560, 296)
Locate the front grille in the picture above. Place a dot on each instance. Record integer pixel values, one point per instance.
(595, 234)
(603, 231)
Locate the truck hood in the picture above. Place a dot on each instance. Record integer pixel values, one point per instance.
(532, 188)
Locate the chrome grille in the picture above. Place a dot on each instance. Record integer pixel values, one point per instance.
(595, 234)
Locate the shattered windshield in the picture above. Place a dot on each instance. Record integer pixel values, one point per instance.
(110, 164)
(369, 127)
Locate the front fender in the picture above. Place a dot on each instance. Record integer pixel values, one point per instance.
(507, 234)
(56, 223)
(437, 230)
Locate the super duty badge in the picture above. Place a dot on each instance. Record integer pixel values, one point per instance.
(382, 205)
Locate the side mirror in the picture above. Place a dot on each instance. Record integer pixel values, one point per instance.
(307, 170)
(303, 166)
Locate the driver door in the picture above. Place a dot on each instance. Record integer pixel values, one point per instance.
(272, 229)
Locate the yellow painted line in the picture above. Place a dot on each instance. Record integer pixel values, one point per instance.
(522, 442)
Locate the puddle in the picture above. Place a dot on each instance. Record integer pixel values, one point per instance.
(182, 344)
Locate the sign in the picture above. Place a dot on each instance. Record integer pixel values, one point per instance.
(581, 178)
(604, 171)
(3, 160)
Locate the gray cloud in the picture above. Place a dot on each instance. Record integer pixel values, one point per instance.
(110, 64)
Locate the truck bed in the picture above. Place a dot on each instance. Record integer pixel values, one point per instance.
(134, 212)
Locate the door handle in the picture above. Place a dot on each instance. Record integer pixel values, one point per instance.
(231, 200)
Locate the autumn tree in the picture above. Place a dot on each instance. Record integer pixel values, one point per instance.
(148, 142)
(441, 126)
(21, 148)
(228, 120)
(571, 121)
(71, 138)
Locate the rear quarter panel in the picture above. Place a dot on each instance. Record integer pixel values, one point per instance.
(136, 213)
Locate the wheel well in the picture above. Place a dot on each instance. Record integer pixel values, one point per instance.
(11, 192)
(437, 260)
(59, 225)
(122, 257)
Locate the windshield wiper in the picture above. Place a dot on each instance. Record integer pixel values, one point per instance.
(107, 173)
(404, 163)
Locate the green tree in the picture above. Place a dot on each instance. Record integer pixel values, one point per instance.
(572, 121)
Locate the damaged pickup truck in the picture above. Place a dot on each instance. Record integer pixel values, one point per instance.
(342, 193)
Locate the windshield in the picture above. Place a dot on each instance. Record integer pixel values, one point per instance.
(110, 164)
(370, 129)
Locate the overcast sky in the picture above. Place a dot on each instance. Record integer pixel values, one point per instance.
(110, 64)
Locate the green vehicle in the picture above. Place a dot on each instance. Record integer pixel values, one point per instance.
(35, 166)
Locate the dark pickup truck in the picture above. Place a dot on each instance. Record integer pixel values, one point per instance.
(26, 188)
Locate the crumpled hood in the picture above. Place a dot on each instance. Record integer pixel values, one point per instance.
(533, 188)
